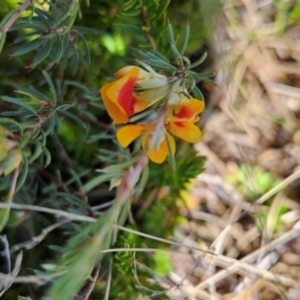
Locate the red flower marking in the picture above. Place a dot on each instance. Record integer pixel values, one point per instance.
(126, 98)
(184, 113)
(179, 124)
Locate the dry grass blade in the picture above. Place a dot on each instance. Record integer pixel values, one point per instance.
(8, 280)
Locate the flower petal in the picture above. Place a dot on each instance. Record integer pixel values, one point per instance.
(188, 110)
(141, 74)
(156, 155)
(159, 154)
(140, 104)
(172, 144)
(187, 131)
(154, 95)
(115, 112)
(120, 92)
(152, 83)
(127, 134)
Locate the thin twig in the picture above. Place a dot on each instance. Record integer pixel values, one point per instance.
(285, 238)
(56, 212)
(279, 187)
(31, 278)
(13, 185)
(108, 281)
(110, 269)
(36, 239)
(14, 17)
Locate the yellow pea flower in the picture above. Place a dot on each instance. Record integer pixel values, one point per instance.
(120, 99)
(180, 122)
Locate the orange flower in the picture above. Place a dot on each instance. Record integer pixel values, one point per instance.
(180, 123)
(120, 99)
(127, 134)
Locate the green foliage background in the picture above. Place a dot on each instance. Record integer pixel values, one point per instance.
(54, 59)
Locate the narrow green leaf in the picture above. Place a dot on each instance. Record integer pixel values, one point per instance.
(129, 4)
(74, 61)
(132, 29)
(140, 53)
(2, 41)
(98, 137)
(58, 54)
(88, 114)
(83, 256)
(143, 180)
(47, 156)
(209, 81)
(39, 27)
(33, 99)
(6, 17)
(153, 56)
(24, 140)
(23, 175)
(186, 95)
(171, 35)
(202, 75)
(74, 118)
(19, 102)
(13, 122)
(191, 82)
(98, 180)
(51, 85)
(29, 47)
(43, 137)
(199, 61)
(87, 30)
(25, 36)
(30, 90)
(37, 151)
(10, 113)
(60, 107)
(43, 15)
(131, 13)
(50, 125)
(161, 56)
(66, 48)
(78, 85)
(163, 4)
(177, 55)
(75, 178)
(187, 62)
(121, 166)
(186, 39)
(86, 49)
(161, 65)
(197, 93)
